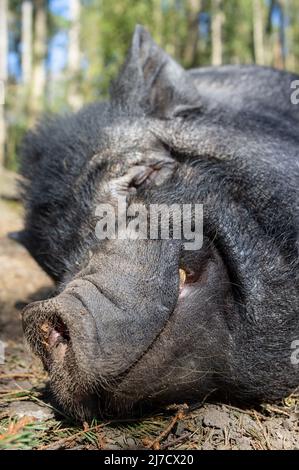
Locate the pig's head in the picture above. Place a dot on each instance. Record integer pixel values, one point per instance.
(144, 321)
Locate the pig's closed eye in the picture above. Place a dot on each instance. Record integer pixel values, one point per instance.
(153, 174)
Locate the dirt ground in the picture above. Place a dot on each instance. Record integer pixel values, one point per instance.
(28, 420)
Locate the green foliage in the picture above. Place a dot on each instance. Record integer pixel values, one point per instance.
(106, 30)
(238, 34)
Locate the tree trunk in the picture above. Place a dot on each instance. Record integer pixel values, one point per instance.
(74, 56)
(193, 10)
(290, 37)
(282, 38)
(216, 26)
(39, 51)
(158, 20)
(27, 13)
(277, 36)
(278, 57)
(258, 32)
(3, 75)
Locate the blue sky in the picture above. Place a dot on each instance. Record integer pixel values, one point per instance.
(57, 46)
(60, 7)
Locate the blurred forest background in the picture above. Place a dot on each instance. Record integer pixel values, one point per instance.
(56, 55)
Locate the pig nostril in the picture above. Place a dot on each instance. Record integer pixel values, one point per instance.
(54, 333)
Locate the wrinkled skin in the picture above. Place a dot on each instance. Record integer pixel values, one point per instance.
(121, 331)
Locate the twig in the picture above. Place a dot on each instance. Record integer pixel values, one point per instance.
(16, 374)
(30, 397)
(182, 438)
(41, 402)
(246, 412)
(276, 410)
(8, 400)
(263, 431)
(65, 440)
(175, 441)
(9, 392)
(210, 434)
(155, 444)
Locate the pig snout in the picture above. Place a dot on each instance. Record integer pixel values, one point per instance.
(57, 328)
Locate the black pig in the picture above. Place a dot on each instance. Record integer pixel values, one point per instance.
(138, 322)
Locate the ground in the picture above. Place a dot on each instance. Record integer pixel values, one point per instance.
(29, 421)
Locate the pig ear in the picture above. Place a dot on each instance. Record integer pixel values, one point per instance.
(151, 82)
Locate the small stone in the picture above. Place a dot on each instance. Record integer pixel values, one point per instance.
(273, 423)
(244, 443)
(249, 424)
(198, 420)
(288, 424)
(180, 428)
(131, 444)
(216, 419)
(207, 446)
(27, 408)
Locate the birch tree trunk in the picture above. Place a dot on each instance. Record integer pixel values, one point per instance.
(158, 20)
(216, 27)
(258, 32)
(282, 35)
(39, 54)
(193, 10)
(26, 59)
(74, 56)
(290, 40)
(3, 75)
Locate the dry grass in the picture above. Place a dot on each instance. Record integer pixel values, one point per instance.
(213, 426)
